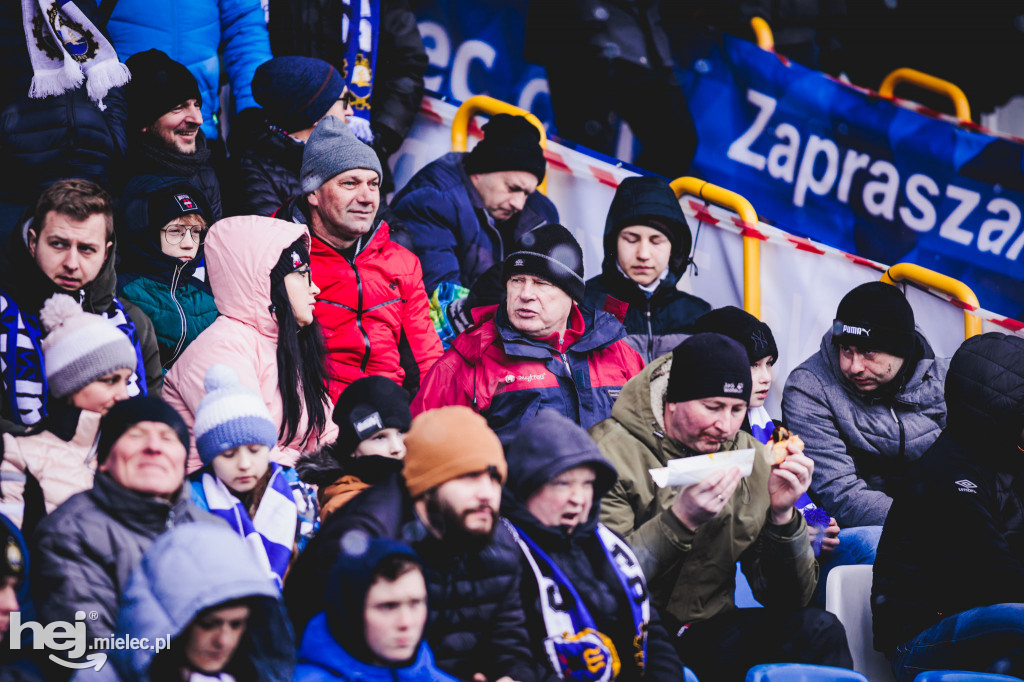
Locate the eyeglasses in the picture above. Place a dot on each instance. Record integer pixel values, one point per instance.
(347, 98)
(307, 272)
(174, 234)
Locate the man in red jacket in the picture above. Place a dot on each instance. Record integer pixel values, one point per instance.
(372, 306)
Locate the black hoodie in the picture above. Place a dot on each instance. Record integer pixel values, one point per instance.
(543, 448)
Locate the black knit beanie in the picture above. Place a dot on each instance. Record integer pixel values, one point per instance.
(158, 85)
(549, 252)
(350, 580)
(127, 413)
(741, 326)
(175, 200)
(369, 405)
(292, 258)
(875, 316)
(708, 366)
(511, 143)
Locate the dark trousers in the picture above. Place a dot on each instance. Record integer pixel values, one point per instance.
(726, 646)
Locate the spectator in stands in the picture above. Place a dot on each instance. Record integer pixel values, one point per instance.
(162, 223)
(18, 665)
(448, 509)
(538, 349)
(583, 589)
(371, 304)
(373, 417)
(465, 210)
(198, 585)
(646, 250)
(945, 600)
(867, 404)
(263, 286)
(164, 126)
(383, 57)
(834, 547)
(202, 35)
(87, 364)
(375, 613)
(262, 501)
(295, 93)
(66, 246)
(50, 128)
(85, 550)
(688, 403)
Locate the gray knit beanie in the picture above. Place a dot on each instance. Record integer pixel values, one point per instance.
(333, 148)
(80, 347)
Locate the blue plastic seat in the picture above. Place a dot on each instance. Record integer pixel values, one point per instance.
(801, 672)
(962, 676)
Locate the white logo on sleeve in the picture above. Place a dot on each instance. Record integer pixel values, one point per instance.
(965, 486)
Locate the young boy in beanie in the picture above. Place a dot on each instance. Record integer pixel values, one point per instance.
(373, 417)
(685, 404)
(539, 348)
(88, 362)
(646, 251)
(373, 624)
(867, 404)
(261, 500)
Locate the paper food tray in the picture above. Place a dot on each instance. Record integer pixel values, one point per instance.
(691, 470)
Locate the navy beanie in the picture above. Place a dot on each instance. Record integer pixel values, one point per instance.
(172, 201)
(551, 253)
(511, 143)
(127, 413)
(708, 366)
(158, 85)
(876, 316)
(366, 406)
(296, 92)
(350, 580)
(741, 326)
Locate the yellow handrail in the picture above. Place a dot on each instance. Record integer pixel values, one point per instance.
(944, 283)
(482, 104)
(751, 248)
(928, 82)
(763, 33)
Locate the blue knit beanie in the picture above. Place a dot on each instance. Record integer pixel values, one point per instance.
(230, 415)
(296, 92)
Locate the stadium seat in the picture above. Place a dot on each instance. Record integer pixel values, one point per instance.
(801, 672)
(848, 596)
(961, 676)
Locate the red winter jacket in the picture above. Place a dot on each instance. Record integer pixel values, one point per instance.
(372, 308)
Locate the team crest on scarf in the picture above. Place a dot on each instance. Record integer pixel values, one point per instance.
(78, 41)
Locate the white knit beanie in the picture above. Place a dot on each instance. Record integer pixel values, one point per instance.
(80, 347)
(229, 415)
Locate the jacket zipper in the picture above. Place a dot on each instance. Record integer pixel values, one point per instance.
(359, 316)
(181, 315)
(568, 368)
(650, 333)
(902, 432)
(170, 518)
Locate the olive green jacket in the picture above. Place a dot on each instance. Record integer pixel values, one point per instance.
(692, 574)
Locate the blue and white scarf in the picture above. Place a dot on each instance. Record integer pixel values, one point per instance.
(271, 532)
(361, 60)
(576, 648)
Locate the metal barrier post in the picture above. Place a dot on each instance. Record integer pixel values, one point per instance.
(763, 33)
(929, 278)
(928, 82)
(482, 104)
(751, 247)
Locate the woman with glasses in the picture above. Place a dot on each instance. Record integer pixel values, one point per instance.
(160, 225)
(266, 332)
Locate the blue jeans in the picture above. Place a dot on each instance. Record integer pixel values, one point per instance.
(986, 639)
(857, 545)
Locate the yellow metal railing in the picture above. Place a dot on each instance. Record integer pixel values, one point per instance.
(482, 104)
(763, 33)
(751, 246)
(929, 278)
(928, 82)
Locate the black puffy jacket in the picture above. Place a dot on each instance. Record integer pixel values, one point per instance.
(268, 172)
(476, 621)
(657, 323)
(955, 539)
(147, 156)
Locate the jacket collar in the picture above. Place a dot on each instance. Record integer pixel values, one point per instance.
(140, 513)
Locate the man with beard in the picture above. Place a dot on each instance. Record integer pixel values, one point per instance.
(447, 511)
(164, 120)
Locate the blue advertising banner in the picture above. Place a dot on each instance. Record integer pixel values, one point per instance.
(842, 166)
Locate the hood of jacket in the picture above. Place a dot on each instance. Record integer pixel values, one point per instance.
(140, 253)
(910, 382)
(22, 279)
(188, 569)
(240, 253)
(642, 199)
(985, 394)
